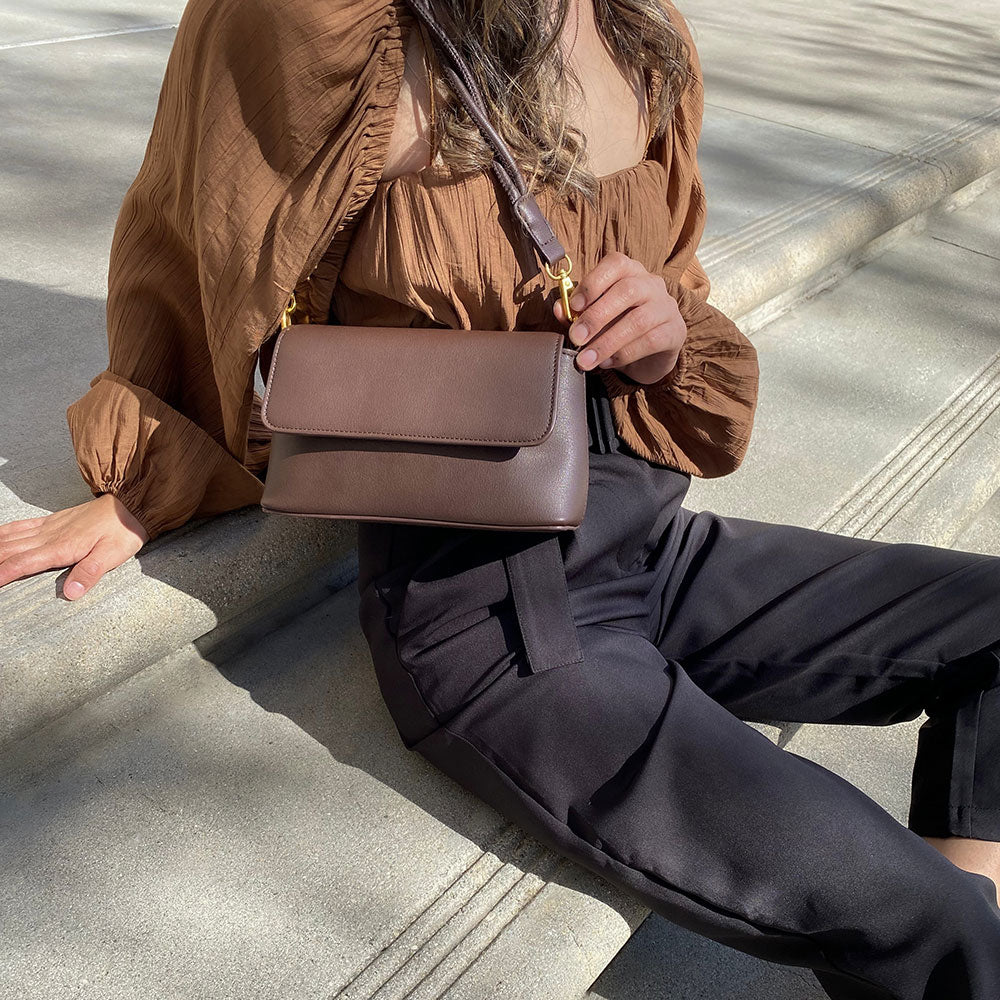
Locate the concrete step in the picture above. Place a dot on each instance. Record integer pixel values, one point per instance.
(763, 269)
(220, 583)
(879, 407)
(827, 129)
(254, 828)
(981, 533)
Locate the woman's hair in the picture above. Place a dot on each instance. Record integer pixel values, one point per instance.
(513, 49)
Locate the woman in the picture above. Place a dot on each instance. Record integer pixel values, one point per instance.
(589, 684)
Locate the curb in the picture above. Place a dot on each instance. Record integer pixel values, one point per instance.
(219, 580)
(770, 265)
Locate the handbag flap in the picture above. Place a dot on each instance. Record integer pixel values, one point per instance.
(485, 387)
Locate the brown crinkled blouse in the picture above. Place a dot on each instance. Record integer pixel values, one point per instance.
(270, 137)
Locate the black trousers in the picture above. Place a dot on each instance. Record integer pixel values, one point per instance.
(590, 685)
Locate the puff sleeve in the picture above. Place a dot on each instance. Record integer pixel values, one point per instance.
(272, 123)
(699, 417)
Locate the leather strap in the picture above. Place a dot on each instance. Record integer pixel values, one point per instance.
(462, 80)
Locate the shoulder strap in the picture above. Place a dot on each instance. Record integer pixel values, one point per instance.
(533, 222)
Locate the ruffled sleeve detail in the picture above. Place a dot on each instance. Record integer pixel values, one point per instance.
(271, 129)
(699, 417)
(161, 466)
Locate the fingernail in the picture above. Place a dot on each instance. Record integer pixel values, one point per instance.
(606, 363)
(588, 357)
(73, 589)
(576, 301)
(578, 333)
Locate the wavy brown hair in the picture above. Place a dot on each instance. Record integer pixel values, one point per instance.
(513, 49)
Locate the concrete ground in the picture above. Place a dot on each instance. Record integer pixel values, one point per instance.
(242, 823)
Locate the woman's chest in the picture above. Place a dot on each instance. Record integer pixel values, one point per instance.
(612, 107)
(444, 248)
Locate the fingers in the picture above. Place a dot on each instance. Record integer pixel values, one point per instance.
(17, 529)
(91, 538)
(612, 267)
(624, 294)
(28, 560)
(633, 303)
(23, 543)
(624, 316)
(103, 556)
(644, 330)
(23, 550)
(637, 334)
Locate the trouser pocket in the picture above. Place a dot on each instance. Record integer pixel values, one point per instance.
(481, 603)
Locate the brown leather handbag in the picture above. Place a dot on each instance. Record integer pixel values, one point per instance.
(464, 428)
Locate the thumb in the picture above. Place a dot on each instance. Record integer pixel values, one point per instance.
(102, 557)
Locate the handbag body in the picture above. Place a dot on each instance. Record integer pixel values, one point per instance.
(424, 425)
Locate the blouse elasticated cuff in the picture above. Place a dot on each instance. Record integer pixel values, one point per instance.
(163, 467)
(619, 384)
(699, 417)
(130, 495)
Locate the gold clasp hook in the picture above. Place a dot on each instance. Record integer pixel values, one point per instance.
(289, 313)
(565, 285)
(286, 316)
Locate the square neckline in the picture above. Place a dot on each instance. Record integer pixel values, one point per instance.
(446, 174)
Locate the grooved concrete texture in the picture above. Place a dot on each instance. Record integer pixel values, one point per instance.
(255, 829)
(888, 381)
(826, 127)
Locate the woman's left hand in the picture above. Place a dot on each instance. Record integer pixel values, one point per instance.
(627, 319)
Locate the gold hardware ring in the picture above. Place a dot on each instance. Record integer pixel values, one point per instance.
(565, 285)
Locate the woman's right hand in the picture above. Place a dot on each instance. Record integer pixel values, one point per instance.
(92, 537)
